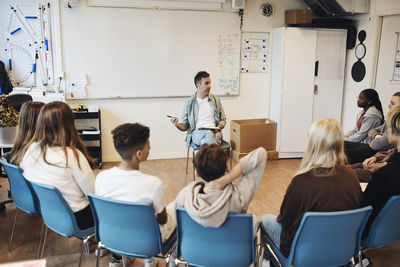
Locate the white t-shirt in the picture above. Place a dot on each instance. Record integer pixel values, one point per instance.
(74, 183)
(205, 117)
(132, 186)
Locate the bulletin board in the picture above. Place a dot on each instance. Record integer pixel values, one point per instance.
(140, 53)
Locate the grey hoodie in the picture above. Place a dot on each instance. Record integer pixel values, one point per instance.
(210, 208)
(371, 119)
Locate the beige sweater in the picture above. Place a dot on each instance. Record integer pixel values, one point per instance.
(210, 208)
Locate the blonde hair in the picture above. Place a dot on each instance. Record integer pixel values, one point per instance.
(393, 120)
(325, 147)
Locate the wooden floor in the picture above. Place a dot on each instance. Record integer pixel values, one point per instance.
(65, 252)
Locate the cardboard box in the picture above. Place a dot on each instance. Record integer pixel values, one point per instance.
(298, 16)
(247, 135)
(272, 155)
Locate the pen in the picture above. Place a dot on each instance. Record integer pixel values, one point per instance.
(169, 116)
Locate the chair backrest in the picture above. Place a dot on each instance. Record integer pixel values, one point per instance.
(333, 236)
(126, 228)
(231, 244)
(56, 213)
(21, 190)
(385, 229)
(16, 100)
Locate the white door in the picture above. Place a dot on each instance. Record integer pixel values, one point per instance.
(297, 93)
(328, 90)
(385, 84)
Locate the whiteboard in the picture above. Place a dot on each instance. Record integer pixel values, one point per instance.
(135, 53)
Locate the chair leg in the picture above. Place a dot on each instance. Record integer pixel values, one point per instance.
(98, 254)
(13, 230)
(82, 250)
(187, 160)
(44, 242)
(123, 261)
(40, 240)
(194, 178)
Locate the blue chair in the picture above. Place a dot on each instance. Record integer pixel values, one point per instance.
(324, 239)
(23, 195)
(225, 145)
(232, 244)
(128, 229)
(385, 229)
(58, 216)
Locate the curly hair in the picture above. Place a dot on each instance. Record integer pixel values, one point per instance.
(129, 138)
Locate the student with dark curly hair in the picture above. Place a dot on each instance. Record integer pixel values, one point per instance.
(127, 183)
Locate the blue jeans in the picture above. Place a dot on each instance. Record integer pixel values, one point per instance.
(272, 228)
(200, 137)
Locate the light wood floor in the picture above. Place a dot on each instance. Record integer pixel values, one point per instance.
(65, 252)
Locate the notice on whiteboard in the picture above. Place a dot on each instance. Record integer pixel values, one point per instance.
(254, 56)
(396, 72)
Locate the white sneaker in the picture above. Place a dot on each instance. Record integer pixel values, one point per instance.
(152, 262)
(265, 263)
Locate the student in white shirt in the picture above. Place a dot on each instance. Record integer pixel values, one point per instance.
(127, 183)
(57, 156)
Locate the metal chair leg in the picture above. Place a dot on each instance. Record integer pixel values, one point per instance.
(187, 160)
(194, 178)
(40, 240)
(82, 250)
(100, 246)
(13, 230)
(44, 242)
(123, 261)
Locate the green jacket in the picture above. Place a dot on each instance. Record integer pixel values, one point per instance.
(191, 110)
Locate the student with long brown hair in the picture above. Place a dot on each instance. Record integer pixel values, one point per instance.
(26, 129)
(322, 183)
(57, 156)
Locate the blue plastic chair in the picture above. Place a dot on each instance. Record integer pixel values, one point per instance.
(231, 244)
(225, 145)
(23, 195)
(128, 229)
(58, 216)
(325, 239)
(385, 230)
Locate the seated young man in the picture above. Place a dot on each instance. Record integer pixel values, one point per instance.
(209, 200)
(127, 183)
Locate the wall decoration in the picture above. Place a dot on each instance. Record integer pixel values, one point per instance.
(358, 70)
(396, 71)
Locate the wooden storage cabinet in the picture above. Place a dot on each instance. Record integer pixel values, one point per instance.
(95, 148)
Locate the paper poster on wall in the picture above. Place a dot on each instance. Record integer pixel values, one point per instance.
(228, 58)
(254, 56)
(396, 72)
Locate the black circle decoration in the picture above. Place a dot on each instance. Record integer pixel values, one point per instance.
(358, 70)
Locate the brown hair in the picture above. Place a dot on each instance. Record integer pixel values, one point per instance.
(210, 162)
(56, 128)
(26, 129)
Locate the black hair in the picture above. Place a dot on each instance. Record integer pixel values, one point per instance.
(200, 75)
(5, 84)
(129, 138)
(210, 162)
(372, 95)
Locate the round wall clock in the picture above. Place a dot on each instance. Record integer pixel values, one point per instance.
(266, 9)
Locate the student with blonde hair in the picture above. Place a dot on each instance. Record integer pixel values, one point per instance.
(58, 157)
(26, 129)
(385, 182)
(322, 183)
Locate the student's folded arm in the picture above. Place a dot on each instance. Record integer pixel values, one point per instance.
(362, 133)
(252, 166)
(381, 143)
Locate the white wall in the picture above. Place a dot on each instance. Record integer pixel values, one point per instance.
(253, 101)
(168, 142)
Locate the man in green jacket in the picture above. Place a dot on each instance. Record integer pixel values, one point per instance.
(203, 116)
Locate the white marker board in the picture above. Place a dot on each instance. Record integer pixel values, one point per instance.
(134, 53)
